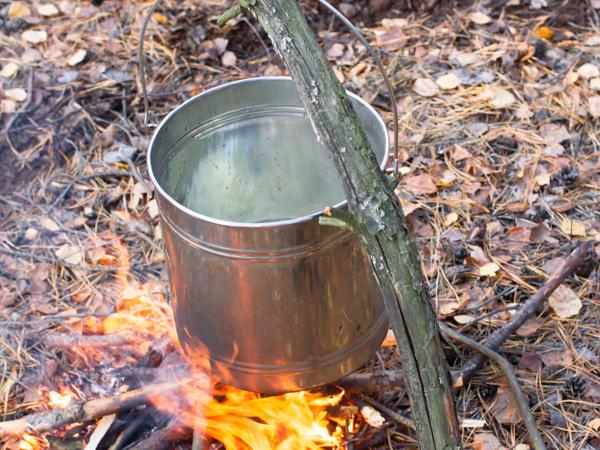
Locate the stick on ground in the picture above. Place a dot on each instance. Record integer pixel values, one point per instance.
(513, 383)
(530, 307)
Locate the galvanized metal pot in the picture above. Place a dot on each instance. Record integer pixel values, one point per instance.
(276, 301)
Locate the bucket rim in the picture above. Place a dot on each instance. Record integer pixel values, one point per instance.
(229, 223)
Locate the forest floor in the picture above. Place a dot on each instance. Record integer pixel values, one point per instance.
(500, 174)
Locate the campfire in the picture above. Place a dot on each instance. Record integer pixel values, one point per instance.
(142, 324)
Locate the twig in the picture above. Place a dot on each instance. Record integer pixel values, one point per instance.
(369, 382)
(507, 370)
(532, 305)
(67, 340)
(388, 412)
(80, 411)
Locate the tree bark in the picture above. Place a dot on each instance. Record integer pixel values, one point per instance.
(377, 218)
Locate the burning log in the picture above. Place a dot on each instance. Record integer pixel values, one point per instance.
(79, 411)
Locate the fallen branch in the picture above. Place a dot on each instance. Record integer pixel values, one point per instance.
(534, 435)
(109, 340)
(80, 411)
(368, 382)
(175, 431)
(530, 307)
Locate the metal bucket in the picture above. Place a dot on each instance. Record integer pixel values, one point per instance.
(276, 301)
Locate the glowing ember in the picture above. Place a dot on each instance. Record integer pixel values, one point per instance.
(58, 400)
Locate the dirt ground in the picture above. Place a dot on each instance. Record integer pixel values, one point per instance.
(499, 166)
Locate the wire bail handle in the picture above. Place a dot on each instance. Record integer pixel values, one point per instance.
(332, 9)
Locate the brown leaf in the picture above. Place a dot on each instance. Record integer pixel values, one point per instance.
(504, 408)
(486, 441)
(557, 358)
(18, 9)
(565, 302)
(553, 133)
(539, 233)
(336, 51)
(530, 361)
(489, 269)
(517, 207)
(425, 87)
(228, 59)
(392, 39)
(70, 254)
(35, 36)
(479, 18)
(478, 255)
(594, 105)
(529, 327)
(458, 153)
(420, 184)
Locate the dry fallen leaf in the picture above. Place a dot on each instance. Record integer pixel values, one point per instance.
(394, 23)
(448, 81)
(544, 33)
(505, 409)
(35, 36)
(228, 59)
(77, 57)
(524, 112)
(16, 94)
(372, 416)
(18, 9)
(69, 254)
(489, 269)
(420, 184)
(463, 318)
(220, 45)
(573, 228)
(502, 99)
(594, 105)
(479, 18)
(529, 327)
(48, 10)
(588, 71)
(160, 19)
(425, 87)
(486, 441)
(9, 70)
(565, 302)
(31, 234)
(450, 218)
(595, 424)
(152, 208)
(49, 224)
(595, 84)
(557, 358)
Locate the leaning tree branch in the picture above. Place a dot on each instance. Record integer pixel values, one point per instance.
(530, 307)
(520, 399)
(378, 221)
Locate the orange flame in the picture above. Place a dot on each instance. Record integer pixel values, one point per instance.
(240, 420)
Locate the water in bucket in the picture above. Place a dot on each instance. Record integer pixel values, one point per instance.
(261, 169)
